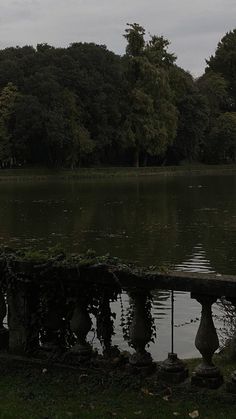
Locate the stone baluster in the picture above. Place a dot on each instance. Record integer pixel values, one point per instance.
(80, 325)
(231, 383)
(4, 334)
(105, 327)
(206, 374)
(19, 319)
(173, 370)
(140, 330)
(52, 325)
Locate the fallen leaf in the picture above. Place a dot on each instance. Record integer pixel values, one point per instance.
(139, 412)
(166, 398)
(176, 413)
(44, 370)
(194, 414)
(145, 391)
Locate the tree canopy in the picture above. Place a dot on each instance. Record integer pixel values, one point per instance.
(85, 105)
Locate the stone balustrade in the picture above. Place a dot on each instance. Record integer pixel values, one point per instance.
(52, 304)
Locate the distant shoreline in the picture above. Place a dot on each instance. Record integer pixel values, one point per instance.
(44, 174)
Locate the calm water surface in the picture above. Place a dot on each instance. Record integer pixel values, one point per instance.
(181, 222)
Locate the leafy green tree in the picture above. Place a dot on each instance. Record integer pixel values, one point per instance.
(214, 87)
(193, 118)
(85, 105)
(78, 144)
(224, 63)
(134, 35)
(157, 52)
(29, 130)
(222, 138)
(5, 148)
(165, 112)
(150, 115)
(193, 123)
(96, 77)
(8, 98)
(215, 90)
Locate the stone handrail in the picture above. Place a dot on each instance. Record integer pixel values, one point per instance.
(50, 301)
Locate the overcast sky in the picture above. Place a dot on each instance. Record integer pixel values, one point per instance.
(193, 27)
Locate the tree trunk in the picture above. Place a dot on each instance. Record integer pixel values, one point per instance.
(136, 157)
(145, 160)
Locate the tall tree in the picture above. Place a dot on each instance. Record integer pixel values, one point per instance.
(193, 118)
(8, 98)
(224, 62)
(215, 88)
(150, 114)
(134, 34)
(222, 138)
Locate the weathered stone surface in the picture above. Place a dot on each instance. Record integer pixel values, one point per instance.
(82, 282)
(80, 325)
(17, 321)
(4, 333)
(206, 374)
(105, 270)
(140, 332)
(173, 370)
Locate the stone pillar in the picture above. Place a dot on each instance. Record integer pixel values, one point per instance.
(52, 326)
(231, 343)
(18, 319)
(206, 374)
(105, 327)
(4, 334)
(80, 324)
(231, 383)
(140, 330)
(173, 370)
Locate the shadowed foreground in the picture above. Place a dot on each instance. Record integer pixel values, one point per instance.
(36, 391)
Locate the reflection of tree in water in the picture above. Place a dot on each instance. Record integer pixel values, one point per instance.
(134, 219)
(152, 221)
(39, 214)
(138, 221)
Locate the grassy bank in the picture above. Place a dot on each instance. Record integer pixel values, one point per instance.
(33, 391)
(43, 174)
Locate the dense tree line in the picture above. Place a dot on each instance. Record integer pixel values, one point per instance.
(85, 105)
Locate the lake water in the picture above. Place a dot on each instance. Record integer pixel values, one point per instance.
(186, 223)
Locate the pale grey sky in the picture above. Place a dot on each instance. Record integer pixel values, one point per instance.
(193, 27)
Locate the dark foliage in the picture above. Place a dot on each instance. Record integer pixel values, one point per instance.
(85, 105)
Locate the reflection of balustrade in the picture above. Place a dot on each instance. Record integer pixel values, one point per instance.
(54, 316)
